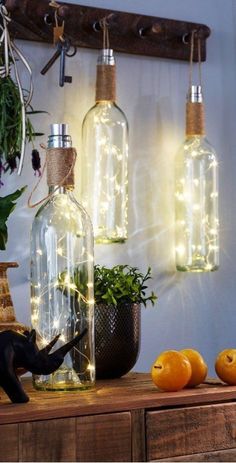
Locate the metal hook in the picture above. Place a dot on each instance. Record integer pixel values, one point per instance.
(48, 19)
(198, 34)
(150, 31)
(99, 25)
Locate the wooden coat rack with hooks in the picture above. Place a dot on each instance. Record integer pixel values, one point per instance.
(129, 33)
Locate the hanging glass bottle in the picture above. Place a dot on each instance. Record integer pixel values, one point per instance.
(104, 173)
(196, 194)
(62, 270)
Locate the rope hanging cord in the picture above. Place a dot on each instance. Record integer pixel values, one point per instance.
(60, 164)
(195, 111)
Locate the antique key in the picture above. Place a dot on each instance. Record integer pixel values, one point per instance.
(63, 47)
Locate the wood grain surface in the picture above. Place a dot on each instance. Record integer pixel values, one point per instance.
(184, 431)
(159, 36)
(9, 442)
(134, 391)
(49, 440)
(221, 455)
(104, 437)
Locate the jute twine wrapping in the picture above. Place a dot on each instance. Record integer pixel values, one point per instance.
(60, 164)
(59, 167)
(106, 82)
(195, 119)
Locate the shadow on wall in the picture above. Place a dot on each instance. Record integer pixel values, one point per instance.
(151, 214)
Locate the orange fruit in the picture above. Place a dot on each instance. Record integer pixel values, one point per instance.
(225, 366)
(199, 367)
(171, 371)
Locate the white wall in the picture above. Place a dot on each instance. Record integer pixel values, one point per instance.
(193, 310)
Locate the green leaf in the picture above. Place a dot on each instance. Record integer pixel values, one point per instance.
(36, 112)
(7, 205)
(3, 237)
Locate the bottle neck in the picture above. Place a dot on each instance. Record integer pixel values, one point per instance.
(195, 119)
(59, 141)
(106, 77)
(60, 190)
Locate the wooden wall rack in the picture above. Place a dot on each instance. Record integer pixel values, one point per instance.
(129, 33)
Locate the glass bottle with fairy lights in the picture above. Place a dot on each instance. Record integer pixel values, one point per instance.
(196, 194)
(196, 186)
(104, 176)
(62, 270)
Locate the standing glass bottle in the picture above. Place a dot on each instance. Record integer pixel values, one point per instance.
(62, 270)
(196, 194)
(104, 176)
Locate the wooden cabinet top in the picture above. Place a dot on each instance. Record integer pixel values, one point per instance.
(134, 391)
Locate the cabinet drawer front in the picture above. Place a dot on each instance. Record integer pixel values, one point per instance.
(220, 455)
(48, 440)
(104, 437)
(185, 431)
(9, 442)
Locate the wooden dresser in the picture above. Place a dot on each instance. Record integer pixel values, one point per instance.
(121, 420)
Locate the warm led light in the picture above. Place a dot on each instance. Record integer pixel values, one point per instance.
(55, 324)
(194, 153)
(72, 286)
(180, 250)
(90, 367)
(44, 342)
(34, 317)
(214, 231)
(209, 267)
(35, 300)
(213, 164)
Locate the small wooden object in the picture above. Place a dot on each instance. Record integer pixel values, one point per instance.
(7, 313)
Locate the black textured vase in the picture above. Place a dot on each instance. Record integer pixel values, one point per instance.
(117, 339)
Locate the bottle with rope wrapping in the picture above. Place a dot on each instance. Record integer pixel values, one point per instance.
(104, 172)
(196, 194)
(62, 270)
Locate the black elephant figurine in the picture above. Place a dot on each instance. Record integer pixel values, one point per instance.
(21, 351)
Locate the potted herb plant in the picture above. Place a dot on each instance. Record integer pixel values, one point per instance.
(119, 293)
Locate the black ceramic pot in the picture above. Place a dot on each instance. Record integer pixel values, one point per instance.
(117, 339)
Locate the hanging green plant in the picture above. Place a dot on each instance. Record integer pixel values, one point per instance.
(15, 109)
(11, 125)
